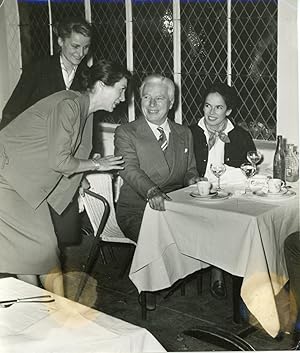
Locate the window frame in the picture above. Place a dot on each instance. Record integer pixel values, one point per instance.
(287, 121)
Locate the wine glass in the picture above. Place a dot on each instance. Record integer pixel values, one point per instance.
(254, 157)
(218, 170)
(248, 169)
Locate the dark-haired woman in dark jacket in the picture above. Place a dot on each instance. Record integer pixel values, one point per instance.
(52, 73)
(217, 140)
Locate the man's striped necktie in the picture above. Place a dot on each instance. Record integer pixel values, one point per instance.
(162, 140)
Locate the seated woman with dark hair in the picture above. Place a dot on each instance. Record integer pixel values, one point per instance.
(217, 140)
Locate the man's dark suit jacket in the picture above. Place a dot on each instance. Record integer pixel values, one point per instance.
(235, 152)
(147, 166)
(39, 80)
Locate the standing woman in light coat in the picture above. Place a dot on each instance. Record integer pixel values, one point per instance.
(43, 154)
(40, 79)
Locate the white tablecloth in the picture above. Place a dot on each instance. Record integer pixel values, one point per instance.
(243, 236)
(64, 326)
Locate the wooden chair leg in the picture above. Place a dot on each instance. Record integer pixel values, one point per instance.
(182, 284)
(143, 305)
(101, 251)
(236, 298)
(82, 283)
(88, 267)
(127, 263)
(173, 289)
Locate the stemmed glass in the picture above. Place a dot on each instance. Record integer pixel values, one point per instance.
(218, 170)
(248, 169)
(254, 157)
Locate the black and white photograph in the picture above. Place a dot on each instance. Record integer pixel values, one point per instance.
(149, 176)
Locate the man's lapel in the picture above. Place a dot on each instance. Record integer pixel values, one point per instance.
(176, 146)
(150, 146)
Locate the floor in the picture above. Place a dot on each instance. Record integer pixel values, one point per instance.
(116, 296)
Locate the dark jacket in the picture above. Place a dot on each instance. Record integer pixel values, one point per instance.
(39, 80)
(235, 152)
(147, 166)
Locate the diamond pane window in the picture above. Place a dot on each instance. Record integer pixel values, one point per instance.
(34, 30)
(109, 22)
(62, 9)
(254, 65)
(152, 40)
(251, 68)
(203, 52)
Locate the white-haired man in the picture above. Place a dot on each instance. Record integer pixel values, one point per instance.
(157, 152)
(158, 156)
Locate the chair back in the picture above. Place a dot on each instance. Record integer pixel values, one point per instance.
(101, 183)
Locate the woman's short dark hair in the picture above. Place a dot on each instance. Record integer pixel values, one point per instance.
(64, 28)
(228, 93)
(109, 72)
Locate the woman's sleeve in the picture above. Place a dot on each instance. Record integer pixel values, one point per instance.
(132, 173)
(63, 131)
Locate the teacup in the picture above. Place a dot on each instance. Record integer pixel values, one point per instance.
(275, 185)
(258, 182)
(204, 187)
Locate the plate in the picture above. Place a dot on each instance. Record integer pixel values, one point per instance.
(280, 193)
(196, 194)
(276, 196)
(218, 196)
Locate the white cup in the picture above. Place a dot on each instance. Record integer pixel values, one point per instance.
(275, 185)
(204, 187)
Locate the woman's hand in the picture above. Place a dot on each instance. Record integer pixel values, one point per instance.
(107, 163)
(195, 180)
(85, 185)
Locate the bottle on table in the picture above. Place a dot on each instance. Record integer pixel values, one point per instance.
(279, 160)
(292, 164)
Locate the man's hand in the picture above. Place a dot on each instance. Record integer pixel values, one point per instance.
(156, 198)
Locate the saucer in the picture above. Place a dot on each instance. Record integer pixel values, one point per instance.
(196, 194)
(216, 196)
(274, 196)
(280, 193)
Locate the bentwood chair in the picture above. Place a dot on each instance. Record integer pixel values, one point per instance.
(99, 205)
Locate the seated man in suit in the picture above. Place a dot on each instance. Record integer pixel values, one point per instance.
(158, 155)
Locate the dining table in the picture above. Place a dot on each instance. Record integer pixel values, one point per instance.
(242, 234)
(55, 324)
